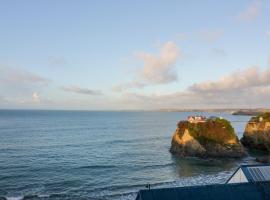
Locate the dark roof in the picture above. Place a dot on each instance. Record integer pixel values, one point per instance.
(255, 173)
(238, 191)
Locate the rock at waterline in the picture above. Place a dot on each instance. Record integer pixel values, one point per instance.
(257, 133)
(207, 138)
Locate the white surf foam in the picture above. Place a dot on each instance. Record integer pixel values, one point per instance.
(15, 198)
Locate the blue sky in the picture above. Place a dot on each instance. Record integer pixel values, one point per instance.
(111, 55)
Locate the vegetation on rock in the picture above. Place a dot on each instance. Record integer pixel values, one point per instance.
(218, 130)
(263, 116)
(212, 138)
(257, 133)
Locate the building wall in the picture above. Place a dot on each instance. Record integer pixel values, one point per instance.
(238, 177)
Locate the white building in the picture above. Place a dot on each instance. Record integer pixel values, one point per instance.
(194, 119)
(250, 173)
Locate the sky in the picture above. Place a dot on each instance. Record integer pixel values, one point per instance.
(134, 55)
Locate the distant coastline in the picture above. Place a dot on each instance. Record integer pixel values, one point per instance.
(233, 111)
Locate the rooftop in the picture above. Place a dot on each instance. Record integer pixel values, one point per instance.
(252, 173)
(248, 182)
(238, 191)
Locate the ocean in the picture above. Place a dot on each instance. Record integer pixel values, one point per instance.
(99, 155)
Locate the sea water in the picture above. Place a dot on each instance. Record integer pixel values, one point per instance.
(99, 155)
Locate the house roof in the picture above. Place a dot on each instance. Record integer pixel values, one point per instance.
(238, 191)
(255, 173)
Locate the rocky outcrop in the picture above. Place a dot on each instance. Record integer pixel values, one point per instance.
(212, 138)
(257, 133)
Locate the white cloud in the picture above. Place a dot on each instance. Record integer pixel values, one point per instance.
(251, 77)
(160, 68)
(157, 69)
(17, 86)
(212, 36)
(267, 33)
(36, 97)
(19, 76)
(79, 90)
(251, 12)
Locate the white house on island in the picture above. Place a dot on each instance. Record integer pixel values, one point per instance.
(196, 119)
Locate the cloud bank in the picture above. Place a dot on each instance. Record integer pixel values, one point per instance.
(246, 88)
(251, 77)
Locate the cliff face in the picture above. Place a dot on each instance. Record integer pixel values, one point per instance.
(257, 133)
(213, 138)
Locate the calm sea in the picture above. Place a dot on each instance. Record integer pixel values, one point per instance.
(98, 155)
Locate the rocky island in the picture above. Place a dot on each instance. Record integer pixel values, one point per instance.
(257, 133)
(201, 137)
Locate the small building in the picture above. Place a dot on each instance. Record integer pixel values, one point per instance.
(250, 173)
(237, 191)
(248, 182)
(195, 119)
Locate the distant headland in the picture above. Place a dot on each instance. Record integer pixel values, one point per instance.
(233, 111)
